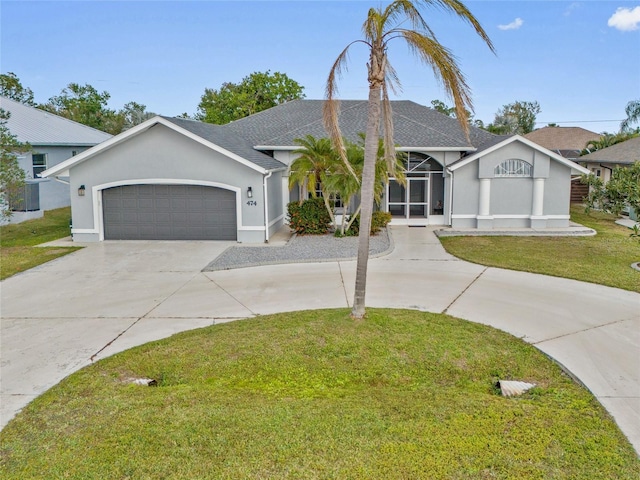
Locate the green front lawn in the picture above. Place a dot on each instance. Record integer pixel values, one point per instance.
(605, 258)
(307, 395)
(17, 242)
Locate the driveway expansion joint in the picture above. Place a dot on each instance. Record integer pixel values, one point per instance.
(228, 293)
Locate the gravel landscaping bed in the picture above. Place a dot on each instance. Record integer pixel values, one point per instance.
(301, 248)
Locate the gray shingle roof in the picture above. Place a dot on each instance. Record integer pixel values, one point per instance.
(227, 140)
(626, 152)
(38, 127)
(414, 125)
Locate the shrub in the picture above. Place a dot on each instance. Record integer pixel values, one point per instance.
(309, 217)
(379, 220)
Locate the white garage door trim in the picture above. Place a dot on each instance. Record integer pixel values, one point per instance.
(96, 193)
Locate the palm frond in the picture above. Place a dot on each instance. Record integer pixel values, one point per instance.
(445, 69)
(401, 9)
(331, 107)
(460, 9)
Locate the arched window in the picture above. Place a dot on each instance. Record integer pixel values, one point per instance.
(514, 167)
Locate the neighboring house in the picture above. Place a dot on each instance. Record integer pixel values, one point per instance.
(53, 139)
(602, 162)
(568, 142)
(172, 178)
(565, 141)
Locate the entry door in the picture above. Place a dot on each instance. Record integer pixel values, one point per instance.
(410, 201)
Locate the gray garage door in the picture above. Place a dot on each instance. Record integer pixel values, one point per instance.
(169, 212)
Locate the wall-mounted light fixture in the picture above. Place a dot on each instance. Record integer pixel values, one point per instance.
(249, 193)
(81, 191)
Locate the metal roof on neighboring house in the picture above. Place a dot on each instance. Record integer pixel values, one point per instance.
(414, 125)
(38, 127)
(626, 152)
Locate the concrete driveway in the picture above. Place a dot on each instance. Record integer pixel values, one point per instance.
(111, 296)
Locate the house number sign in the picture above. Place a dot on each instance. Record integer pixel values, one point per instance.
(252, 203)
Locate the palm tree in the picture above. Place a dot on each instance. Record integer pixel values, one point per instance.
(347, 185)
(317, 159)
(633, 115)
(379, 29)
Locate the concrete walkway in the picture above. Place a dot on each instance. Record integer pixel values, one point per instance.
(111, 296)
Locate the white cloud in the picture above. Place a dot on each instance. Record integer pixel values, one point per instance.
(625, 19)
(571, 8)
(516, 24)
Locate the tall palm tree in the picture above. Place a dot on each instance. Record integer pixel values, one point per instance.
(381, 26)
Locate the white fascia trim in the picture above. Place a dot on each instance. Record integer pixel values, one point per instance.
(258, 229)
(436, 149)
(532, 217)
(277, 147)
(574, 166)
(398, 149)
(83, 230)
(81, 157)
(96, 196)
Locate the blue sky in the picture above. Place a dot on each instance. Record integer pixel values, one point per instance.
(579, 59)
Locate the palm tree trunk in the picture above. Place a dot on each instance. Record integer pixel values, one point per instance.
(366, 200)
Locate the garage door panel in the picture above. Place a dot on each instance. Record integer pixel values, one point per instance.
(169, 212)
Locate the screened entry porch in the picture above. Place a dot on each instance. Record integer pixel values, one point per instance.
(420, 201)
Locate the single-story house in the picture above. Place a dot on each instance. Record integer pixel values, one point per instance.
(568, 142)
(602, 162)
(174, 178)
(53, 139)
(565, 141)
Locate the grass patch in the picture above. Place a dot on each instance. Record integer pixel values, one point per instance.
(305, 395)
(17, 241)
(605, 258)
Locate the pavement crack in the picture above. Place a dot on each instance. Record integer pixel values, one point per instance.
(344, 287)
(466, 288)
(92, 358)
(595, 327)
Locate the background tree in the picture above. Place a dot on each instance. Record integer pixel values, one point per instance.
(380, 27)
(11, 87)
(12, 176)
(515, 118)
(84, 104)
(133, 114)
(607, 140)
(633, 116)
(442, 107)
(255, 93)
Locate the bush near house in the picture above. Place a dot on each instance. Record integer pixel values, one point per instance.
(379, 220)
(309, 217)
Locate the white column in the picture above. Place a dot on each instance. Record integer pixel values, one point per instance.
(485, 197)
(537, 208)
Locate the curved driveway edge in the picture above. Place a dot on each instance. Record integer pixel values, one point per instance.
(111, 296)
